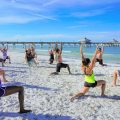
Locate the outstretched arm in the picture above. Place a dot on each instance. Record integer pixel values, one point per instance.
(7, 46)
(61, 48)
(25, 58)
(81, 53)
(93, 61)
(48, 48)
(53, 47)
(102, 49)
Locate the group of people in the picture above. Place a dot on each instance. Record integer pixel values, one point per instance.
(87, 69)
(56, 55)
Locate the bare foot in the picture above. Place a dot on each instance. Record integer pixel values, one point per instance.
(25, 111)
(5, 81)
(54, 73)
(72, 99)
(113, 85)
(71, 94)
(103, 95)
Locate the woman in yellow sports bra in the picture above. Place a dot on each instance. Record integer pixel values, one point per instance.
(87, 68)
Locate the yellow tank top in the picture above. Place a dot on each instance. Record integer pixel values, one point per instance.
(90, 78)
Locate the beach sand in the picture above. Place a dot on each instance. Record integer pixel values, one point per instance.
(49, 96)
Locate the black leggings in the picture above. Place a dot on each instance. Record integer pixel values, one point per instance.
(61, 65)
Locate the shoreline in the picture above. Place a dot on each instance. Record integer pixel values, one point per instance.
(73, 53)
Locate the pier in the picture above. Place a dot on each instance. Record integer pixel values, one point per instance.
(109, 44)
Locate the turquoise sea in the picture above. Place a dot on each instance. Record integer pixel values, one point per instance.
(111, 54)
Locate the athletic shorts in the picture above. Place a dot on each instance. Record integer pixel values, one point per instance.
(51, 60)
(1, 60)
(7, 57)
(61, 65)
(2, 91)
(30, 62)
(86, 84)
(100, 61)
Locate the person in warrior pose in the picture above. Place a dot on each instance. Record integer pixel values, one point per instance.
(87, 68)
(99, 56)
(60, 64)
(116, 73)
(9, 90)
(4, 52)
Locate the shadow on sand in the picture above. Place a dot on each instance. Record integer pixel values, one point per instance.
(99, 75)
(115, 97)
(46, 67)
(34, 86)
(32, 116)
(16, 67)
(16, 71)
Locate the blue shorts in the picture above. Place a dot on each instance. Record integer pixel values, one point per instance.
(2, 91)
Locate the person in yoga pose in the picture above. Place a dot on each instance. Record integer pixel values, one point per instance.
(9, 90)
(116, 73)
(51, 53)
(87, 68)
(29, 57)
(99, 56)
(60, 64)
(4, 52)
(33, 52)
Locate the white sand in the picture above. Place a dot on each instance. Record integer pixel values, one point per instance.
(49, 96)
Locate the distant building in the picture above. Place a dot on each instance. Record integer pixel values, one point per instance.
(85, 41)
(115, 41)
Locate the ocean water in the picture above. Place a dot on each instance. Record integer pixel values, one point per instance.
(111, 54)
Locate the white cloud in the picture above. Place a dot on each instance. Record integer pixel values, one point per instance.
(20, 11)
(90, 13)
(80, 2)
(45, 9)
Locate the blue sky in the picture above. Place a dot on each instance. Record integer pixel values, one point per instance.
(59, 20)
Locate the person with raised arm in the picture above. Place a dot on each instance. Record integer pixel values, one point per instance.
(87, 68)
(51, 53)
(60, 64)
(29, 57)
(99, 56)
(5, 56)
(34, 54)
